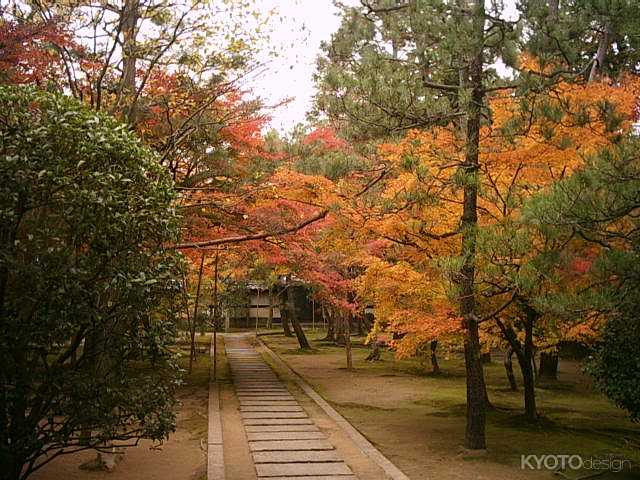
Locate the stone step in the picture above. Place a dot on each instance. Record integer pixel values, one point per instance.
(293, 456)
(270, 408)
(249, 415)
(265, 396)
(281, 428)
(316, 477)
(254, 436)
(277, 421)
(289, 469)
(262, 445)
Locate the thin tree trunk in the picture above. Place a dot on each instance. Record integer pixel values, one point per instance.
(330, 336)
(295, 322)
(215, 293)
(192, 351)
(471, 81)
(374, 355)
(508, 366)
(130, 15)
(435, 367)
(338, 333)
(284, 316)
(548, 366)
(347, 341)
(300, 335)
(486, 357)
(270, 318)
(528, 376)
(523, 354)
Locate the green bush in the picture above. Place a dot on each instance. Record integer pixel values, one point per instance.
(87, 282)
(616, 364)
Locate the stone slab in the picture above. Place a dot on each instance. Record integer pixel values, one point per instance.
(281, 428)
(253, 373)
(268, 396)
(259, 378)
(280, 397)
(248, 415)
(215, 462)
(262, 385)
(391, 471)
(278, 421)
(265, 385)
(270, 408)
(267, 403)
(214, 435)
(296, 456)
(254, 436)
(253, 394)
(289, 469)
(253, 388)
(262, 393)
(290, 445)
(316, 477)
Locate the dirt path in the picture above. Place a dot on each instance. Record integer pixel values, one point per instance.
(179, 458)
(182, 457)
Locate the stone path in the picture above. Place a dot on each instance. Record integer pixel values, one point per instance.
(285, 443)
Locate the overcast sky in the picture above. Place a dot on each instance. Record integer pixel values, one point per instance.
(305, 24)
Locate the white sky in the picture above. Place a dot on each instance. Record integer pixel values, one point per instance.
(305, 23)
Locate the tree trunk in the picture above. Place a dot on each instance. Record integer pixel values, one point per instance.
(284, 317)
(603, 48)
(285, 323)
(347, 341)
(435, 368)
(548, 366)
(374, 356)
(330, 336)
(471, 74)
(528, 376)
(523, 354)
(130, 16)
(339, 328)
(215, 312)
(192, 351)
(270, 317)
(295, 321)
(297, 328)
(508, 366)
